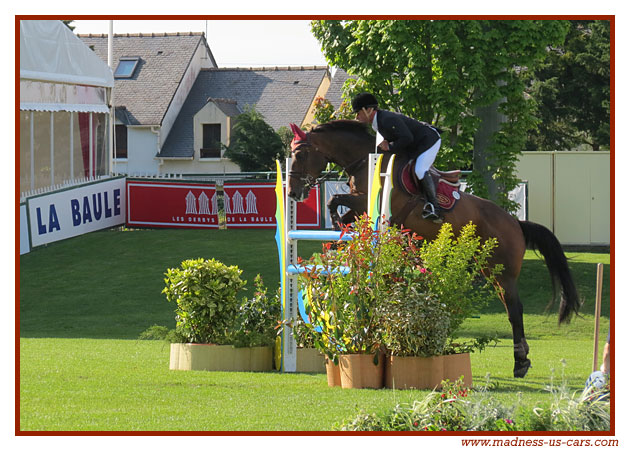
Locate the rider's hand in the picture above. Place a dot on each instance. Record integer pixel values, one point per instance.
(384, 146)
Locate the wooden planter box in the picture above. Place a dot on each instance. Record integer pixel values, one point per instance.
(359, 371)
(206, 357)
(426, 372)
(310, 360)
(333, 373)
(457, 365)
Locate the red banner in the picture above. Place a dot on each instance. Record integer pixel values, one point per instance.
(171, 204)
(195, 205)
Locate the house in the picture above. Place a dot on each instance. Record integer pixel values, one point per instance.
(174, 105)
(152, 79)
(281, 94)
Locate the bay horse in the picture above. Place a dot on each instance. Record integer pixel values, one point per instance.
(348, 144)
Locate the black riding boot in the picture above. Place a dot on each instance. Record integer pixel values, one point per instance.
(431, 207)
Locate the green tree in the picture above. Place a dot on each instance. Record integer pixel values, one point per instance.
(442, 72)
(572, 90)
(254, 145)
(286, 136)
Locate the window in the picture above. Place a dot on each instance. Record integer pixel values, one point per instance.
(126, 67)
(211, 146)
(120, 150)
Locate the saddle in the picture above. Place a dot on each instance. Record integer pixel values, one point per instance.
(446, 184)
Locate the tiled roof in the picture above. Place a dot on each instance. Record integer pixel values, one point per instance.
(281, 94)
(229, 107)
(164, 58)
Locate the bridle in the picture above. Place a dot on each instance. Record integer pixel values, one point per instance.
(310, 181)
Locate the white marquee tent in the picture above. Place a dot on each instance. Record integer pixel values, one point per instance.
(65, 92)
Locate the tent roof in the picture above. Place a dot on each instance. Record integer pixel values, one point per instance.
(50, 52)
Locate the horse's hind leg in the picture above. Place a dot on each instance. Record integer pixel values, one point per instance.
(515, 312)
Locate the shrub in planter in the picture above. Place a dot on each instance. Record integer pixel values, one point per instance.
(424, 310)
(205, 292)
(399, 293)
(302, 333)
(258, 318)
(455, 266)
(414, 322)
(343, 308)
(415, 328)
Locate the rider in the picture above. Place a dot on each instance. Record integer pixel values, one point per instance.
(403, 134)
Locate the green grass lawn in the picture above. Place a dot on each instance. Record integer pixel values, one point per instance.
(84, 301)
(105, 384)
(108, 284)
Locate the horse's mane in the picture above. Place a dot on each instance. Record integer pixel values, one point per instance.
(342, 125)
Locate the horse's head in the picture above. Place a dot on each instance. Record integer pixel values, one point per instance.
(306, 165)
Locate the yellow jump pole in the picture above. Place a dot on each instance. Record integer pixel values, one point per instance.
(598, 309)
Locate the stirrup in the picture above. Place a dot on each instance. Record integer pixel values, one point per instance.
(428, 212)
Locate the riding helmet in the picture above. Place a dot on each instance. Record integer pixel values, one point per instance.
(364, 100)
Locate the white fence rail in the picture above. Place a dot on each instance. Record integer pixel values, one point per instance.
(63, 185)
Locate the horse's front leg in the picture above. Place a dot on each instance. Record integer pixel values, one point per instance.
(357, 203)
(333, 205)
(349, 217)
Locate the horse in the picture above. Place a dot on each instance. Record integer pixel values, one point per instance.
(348, 143)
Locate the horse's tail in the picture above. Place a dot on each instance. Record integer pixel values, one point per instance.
(538, 237)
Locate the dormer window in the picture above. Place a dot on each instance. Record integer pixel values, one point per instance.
(211, 141)
(126, 67)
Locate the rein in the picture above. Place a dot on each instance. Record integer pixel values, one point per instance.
(309, 180)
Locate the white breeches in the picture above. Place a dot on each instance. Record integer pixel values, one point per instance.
(426, 159)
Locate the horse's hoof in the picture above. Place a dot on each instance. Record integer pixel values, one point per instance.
(521, 367)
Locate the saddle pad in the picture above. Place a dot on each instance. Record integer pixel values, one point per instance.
(447, 194)
(408, 180)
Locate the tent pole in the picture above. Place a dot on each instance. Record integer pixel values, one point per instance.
(110, 63)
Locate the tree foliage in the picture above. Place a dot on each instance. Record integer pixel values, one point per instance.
(442, 71)
(572, 90)
(254, 145)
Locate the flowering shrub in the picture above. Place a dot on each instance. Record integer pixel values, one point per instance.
(588, 410)
(324, 111)
(343, 308)
(455, 408)
(459, 409)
